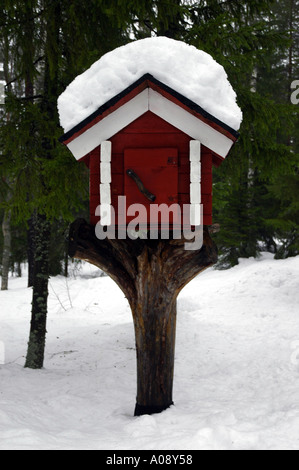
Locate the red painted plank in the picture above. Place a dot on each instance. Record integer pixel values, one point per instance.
(94, 202)
(149, 161)
(158, 171)
(207, 199)
(117, 185)
(206, 163)
(94, 187)
(94, 163)
(122, 141)
(184, 198)
(207, 184)
(207, 219)
(117, 163)
(184, 183)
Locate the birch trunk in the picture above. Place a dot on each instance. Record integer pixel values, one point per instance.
(6, 229)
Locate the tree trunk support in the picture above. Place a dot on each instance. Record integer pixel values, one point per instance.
(151, 274)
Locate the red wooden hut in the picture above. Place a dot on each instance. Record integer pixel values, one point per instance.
(154, 146)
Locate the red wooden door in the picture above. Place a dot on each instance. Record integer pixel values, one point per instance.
(158, 171)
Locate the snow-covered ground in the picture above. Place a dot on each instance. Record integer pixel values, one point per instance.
(236, 377)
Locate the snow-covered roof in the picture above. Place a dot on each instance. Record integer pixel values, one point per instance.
(187, 70)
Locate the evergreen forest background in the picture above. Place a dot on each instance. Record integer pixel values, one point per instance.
(45, 44)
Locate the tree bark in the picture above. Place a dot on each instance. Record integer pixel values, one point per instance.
(6, 249)
(66, 262)
(155, 329)
(37, 337)
(42, 226)
(30, 250)
(6, 229)
(151, 273)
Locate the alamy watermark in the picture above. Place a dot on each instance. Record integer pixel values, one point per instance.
(295, 94)
(159, 221)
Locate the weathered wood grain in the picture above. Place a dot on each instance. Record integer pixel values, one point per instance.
(151, 274)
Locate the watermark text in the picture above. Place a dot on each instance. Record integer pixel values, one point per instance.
(295, 94)
(154, 222)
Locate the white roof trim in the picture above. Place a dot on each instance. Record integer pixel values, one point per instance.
(109, 126)
(189, 124)
(150, 100)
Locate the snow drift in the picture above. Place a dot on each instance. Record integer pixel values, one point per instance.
(236, 371)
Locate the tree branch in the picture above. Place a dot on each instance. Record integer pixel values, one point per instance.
(15, 79)
(126, 260)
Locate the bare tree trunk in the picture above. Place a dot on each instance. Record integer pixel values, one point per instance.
(66, 262)
(151, 273)
(29, 92)
(291, 57)
(42, 226)
(6, 249)
(30, 250)
(154, 314)
(7, 215)
(38, 327)
(19, 269)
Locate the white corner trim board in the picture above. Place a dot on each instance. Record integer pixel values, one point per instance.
(195, 151)
(106, 151)
(196, 214)
(105, 214)
(105, 186)
(195, 172)
(150, 100)
(105, 172)
(195, 182)
(105, 193)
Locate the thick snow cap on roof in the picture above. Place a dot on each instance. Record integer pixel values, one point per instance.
(187, 70)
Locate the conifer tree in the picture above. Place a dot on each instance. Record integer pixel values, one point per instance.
(242, 36)
(51, 41)
(43, 175)
(284, 189)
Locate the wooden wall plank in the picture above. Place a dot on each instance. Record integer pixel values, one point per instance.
(150, 131)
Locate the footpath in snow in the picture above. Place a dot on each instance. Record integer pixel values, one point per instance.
(236, 373)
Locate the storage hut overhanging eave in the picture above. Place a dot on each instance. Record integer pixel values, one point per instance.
(150, 94)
